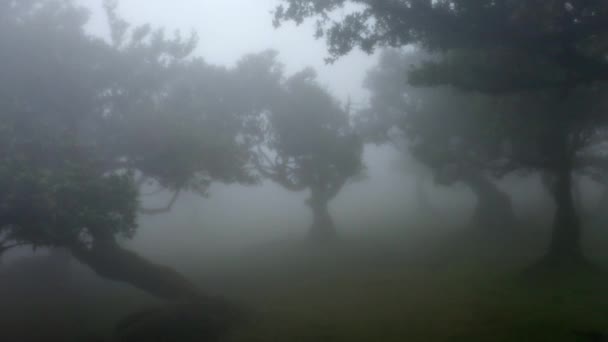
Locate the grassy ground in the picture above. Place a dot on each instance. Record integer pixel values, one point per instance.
(466, 295)
(423, 307)
(365, 290)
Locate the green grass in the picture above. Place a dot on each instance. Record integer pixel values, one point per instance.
(407, 305)
(425, 289)
(464, 297)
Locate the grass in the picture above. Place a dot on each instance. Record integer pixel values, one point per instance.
(410, 305)
(466, 296)
(374, 290)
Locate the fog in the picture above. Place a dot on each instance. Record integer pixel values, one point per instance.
(234, 217)
(230, 29)
(286, 170)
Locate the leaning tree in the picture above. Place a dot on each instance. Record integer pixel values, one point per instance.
(547, 57)
(85, 123)
(305, 141)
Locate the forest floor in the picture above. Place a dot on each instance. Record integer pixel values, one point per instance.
(361, 290)
(465, 295)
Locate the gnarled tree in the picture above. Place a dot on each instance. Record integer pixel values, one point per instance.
(84, 121)
(306, 142)
(439, 128)
(547, 57)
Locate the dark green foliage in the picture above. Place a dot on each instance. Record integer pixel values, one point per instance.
(443, 125)
(82, 119)
(170, 115)
(543, 27)
(54, 186)
(546, 59)
(312, 131)
(87, 123)
(57, 205)
(305, 139)
(454, 135)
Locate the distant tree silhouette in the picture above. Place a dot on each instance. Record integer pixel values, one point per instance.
(546, 58)
(438, 128)
(306, 142)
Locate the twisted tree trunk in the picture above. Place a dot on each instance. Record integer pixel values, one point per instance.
(565, 245)
(493, 208)
(322, 228)
(192, 315)
(111, 261)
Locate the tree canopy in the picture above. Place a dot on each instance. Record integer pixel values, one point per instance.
(568, 32)
(545, 59)
(87, 122)
(306, 142)
(456, 135)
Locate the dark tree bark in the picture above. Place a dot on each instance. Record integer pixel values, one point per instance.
(577, 196)
(322, 228)
(565, 245)
(191, 314)
(109, 260)
(494, 208)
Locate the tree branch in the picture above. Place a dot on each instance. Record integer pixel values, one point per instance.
(167, 208)
(275, 171)
(5, 248)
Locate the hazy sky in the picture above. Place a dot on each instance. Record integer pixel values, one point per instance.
(229, 29)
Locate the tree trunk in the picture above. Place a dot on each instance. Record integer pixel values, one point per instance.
(493, 207)
(577, 196)
(565, 243)
(207, 318)
(109, 260)
(322, 229)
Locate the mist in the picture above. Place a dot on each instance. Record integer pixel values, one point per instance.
(285, 170)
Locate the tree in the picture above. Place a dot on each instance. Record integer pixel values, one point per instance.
(85, 123)
(439, 128)
(306, 142)
(546, 57)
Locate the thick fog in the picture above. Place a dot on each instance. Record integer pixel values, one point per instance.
(287, 170)
(232, 28)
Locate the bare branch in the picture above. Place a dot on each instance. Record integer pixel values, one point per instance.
(167, 208)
